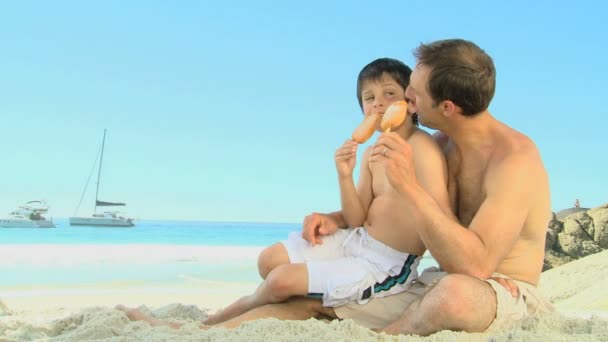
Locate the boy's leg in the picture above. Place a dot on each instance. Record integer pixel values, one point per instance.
(136, 315)
(283, 282)
(271, 257)
(295, 308)
(295, 250)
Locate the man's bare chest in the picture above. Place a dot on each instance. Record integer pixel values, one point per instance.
(465, 188)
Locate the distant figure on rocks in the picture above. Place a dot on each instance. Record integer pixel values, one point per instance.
(577, 203)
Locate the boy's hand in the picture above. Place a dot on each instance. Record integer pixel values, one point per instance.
(317, 225)
(345, 158)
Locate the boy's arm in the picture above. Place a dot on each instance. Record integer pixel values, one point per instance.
(432, 171)
(355, 202)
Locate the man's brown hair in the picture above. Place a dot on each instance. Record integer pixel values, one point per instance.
(460, 72)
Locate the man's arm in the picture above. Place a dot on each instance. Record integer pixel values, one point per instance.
(478, 250)
(317, 225)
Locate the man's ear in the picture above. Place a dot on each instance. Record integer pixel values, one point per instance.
(448, 108)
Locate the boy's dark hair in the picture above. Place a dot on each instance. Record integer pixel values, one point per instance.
(460, 72)
(377, 68)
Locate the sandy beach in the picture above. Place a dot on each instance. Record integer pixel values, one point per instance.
(72, 312)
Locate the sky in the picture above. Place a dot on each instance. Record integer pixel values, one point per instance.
(232, 110)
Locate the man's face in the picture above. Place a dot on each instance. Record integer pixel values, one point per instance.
(419, 96)
(377, 95)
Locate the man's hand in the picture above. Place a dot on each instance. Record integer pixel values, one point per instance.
(317, 225)
(396, 156)
(508, 284)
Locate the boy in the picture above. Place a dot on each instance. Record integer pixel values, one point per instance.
(378, 255)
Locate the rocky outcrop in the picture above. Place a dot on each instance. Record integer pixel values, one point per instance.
(575, 233)
(562, 214)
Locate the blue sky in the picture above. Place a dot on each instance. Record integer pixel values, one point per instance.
(233, 111)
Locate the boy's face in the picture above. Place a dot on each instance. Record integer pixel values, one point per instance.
(377, 95)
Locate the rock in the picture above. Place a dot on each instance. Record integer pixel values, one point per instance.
(576, 247)
(575, 233)
(556, 225)
(599, 216)
(562, 214)
(579, 225)
(554, 259)
(551, 239)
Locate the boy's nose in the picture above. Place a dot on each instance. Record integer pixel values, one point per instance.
(378, 103)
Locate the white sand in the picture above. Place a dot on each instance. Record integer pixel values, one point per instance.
(66, 255)
(85, 313)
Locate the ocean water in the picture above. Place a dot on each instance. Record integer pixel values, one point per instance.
(151, 253)
(155, 232)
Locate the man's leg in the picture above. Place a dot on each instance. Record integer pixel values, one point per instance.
(271, 257)
(457, 302)
(283, 282)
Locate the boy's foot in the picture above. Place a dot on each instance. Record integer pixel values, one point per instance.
(136, 315)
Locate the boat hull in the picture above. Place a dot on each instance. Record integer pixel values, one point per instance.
(100, 222)
(8, 223)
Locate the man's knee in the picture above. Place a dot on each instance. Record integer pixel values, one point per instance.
(458, 295)
(450, 292)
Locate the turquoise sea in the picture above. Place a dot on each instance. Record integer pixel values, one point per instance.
(155, 232)
(152, 252)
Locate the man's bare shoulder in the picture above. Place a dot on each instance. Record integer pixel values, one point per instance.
(517, 149)
(517, 156)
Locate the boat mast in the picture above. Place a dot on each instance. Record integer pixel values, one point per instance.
(103, 142)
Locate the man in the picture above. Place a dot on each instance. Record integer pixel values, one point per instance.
(498, 189)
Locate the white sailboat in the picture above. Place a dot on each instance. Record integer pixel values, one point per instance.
(28, 216)
(108, 218)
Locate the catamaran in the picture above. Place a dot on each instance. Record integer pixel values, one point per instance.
(107, 218)
(28, 216)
